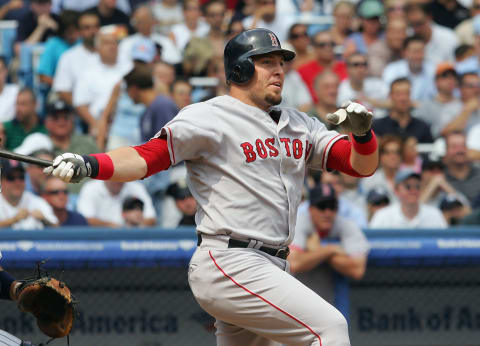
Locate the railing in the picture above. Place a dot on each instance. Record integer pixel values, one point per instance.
(421, 287)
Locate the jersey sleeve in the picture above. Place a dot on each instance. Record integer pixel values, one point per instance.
(322, 142)
(192, 133)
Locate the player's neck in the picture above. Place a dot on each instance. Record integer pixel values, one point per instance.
(241, 96)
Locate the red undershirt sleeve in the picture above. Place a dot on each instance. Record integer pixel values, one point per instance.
(339, 158)
(155, 153)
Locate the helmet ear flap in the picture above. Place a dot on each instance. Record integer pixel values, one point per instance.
(242, 71)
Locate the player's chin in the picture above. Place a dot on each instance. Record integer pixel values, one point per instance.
(273, 99)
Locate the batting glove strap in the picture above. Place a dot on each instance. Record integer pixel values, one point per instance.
(365, 138)
(91, 164)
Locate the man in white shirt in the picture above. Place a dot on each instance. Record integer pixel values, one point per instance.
(20, 209)
(101, 202)
(369, 91)
(8, 94)
(415, 67)
(92, 92)
(144, 22)
(74, 61)
(193, 25)
(440, 41)
(409, 212)
(318, 222)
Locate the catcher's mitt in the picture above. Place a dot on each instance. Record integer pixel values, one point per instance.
(50, 301)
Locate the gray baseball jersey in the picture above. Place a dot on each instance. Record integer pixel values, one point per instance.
(246, 171)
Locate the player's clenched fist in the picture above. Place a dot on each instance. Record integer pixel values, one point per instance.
(352, 117)
(71, 168)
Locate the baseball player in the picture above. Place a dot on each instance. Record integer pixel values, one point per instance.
(246, 160)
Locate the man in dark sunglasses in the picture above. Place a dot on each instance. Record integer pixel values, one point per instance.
(318, 222)
(408, 212)
(56, 194)
(20, 209)
(370, 91)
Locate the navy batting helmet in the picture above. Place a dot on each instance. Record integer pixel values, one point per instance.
(239, 67)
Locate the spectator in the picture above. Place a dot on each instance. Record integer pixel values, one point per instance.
(265, 16)
(434, 186)
(295, 93)
(109, 14)
(35, 178)
(20, 209)
(448, 13)
(181, 93)
(60, 125)
(143, 22)
(377, 198)
(343, 14)
(185, 203)
(8, 94)
(163, 77)
(395, 9)
(347, 209)
(465, 115)
(132, 212)
(409, 212)
(101, 202)
(319, 217)
(160, 109)
(418, 70)
(388, 48)
(300, 41)
(234, 28)
(193, 25)
(410, 157)
(198, 57)
(453, 209)
(400, 121)
(369, 12)
(369, 91)
(439, 111)
(464, 30)
(36, 25)
(460, 172)
(67, 35)
(390, 150)
(92, 93)
(323, 45)
(440, 41)
(77, 59)
(326, 91)
(215, 11)
(167, 13)
(9, 5)
(26, 121)
(55, 192)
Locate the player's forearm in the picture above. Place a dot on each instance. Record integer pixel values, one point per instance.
(303, 261)
(353, 267)
(128, 165)
(364, 155)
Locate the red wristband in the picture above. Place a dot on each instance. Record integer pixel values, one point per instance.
(105, 166)
(366, 148)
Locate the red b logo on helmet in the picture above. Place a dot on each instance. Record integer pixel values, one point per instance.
(274, 39)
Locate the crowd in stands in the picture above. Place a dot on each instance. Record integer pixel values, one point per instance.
(90, 76)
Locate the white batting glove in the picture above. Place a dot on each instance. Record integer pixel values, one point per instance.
(69, 167)
(352, 117)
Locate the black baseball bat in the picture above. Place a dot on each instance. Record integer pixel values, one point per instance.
(24, 158)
